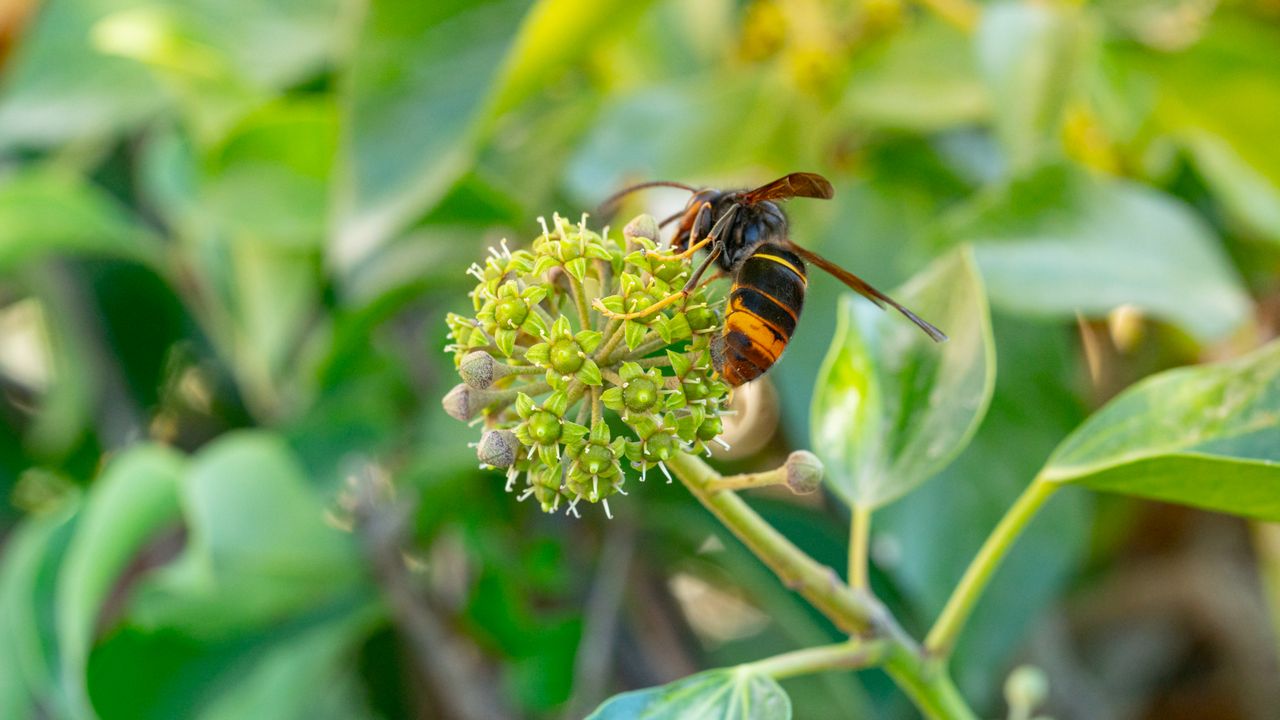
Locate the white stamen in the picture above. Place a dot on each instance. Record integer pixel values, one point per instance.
(664, 472)
(607, 514)
(525, 495)
(722, 443)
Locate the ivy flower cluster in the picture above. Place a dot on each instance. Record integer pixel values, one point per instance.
(571, 397)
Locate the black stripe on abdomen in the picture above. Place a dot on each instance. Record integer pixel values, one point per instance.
(766, 308)
(785, 283)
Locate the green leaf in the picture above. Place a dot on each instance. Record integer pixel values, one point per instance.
(28, 651)
(58, 88)
(269, 179)
(258, 546)
(1060, 242)
(891, 407)
(1027, 55)
(633, 333)
(70, 82)
(308, 676)
(727, 694)
(1207, 436)
(924, 78)
(1218, 100)
(418, 87)
(48, 212)
(556, 33)
(136, 496)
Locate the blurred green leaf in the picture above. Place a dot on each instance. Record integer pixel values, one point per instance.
(58, 88)
(277, 291)
(726, 694)
(695, 114)
(28, 638)
(554, 34)
(219, 59)
(1060, 242)
(1206, 436)
(47, 212)
(892, 407)
(1219, 99)
(258, 547)
(1027, 53)
(418, 85)
(307, 677)
(922, 78)
(136, 496)
(269, 179)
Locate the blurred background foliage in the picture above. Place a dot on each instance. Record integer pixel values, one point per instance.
(230, 230)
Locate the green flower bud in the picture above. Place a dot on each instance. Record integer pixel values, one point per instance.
(710, 428)
(804, 471)
(566, 356)
(596, 459)
(544, 427)
(701, 318)
(661, 446)
(643, 226)
(511, 313)
(1026, 688)
(640, 395)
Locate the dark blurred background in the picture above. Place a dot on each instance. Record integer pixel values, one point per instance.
(230, 231)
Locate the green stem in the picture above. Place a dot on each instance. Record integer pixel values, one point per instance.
(613, 334)
(848, 655)
(942, 637)
(857, 612)
(859, 537)
(580, 299)
(853, 613)
(745, 481)
(644, 349)
(660, 361)
(928, 686)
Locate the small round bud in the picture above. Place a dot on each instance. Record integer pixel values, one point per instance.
(461, 403)
(661, 447)
(596, 459)
(566, 356)
(710, 428)
(701, 318)
(804, 472)
(640, 394)
(511, 313)
(643, 226)
(639, 301)
(1026, 687)
(669, 272)
(478, 369)
(694, 391)
(497, 448)
(544, 427)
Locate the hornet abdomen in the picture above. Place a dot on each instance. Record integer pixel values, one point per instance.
(768, 292)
